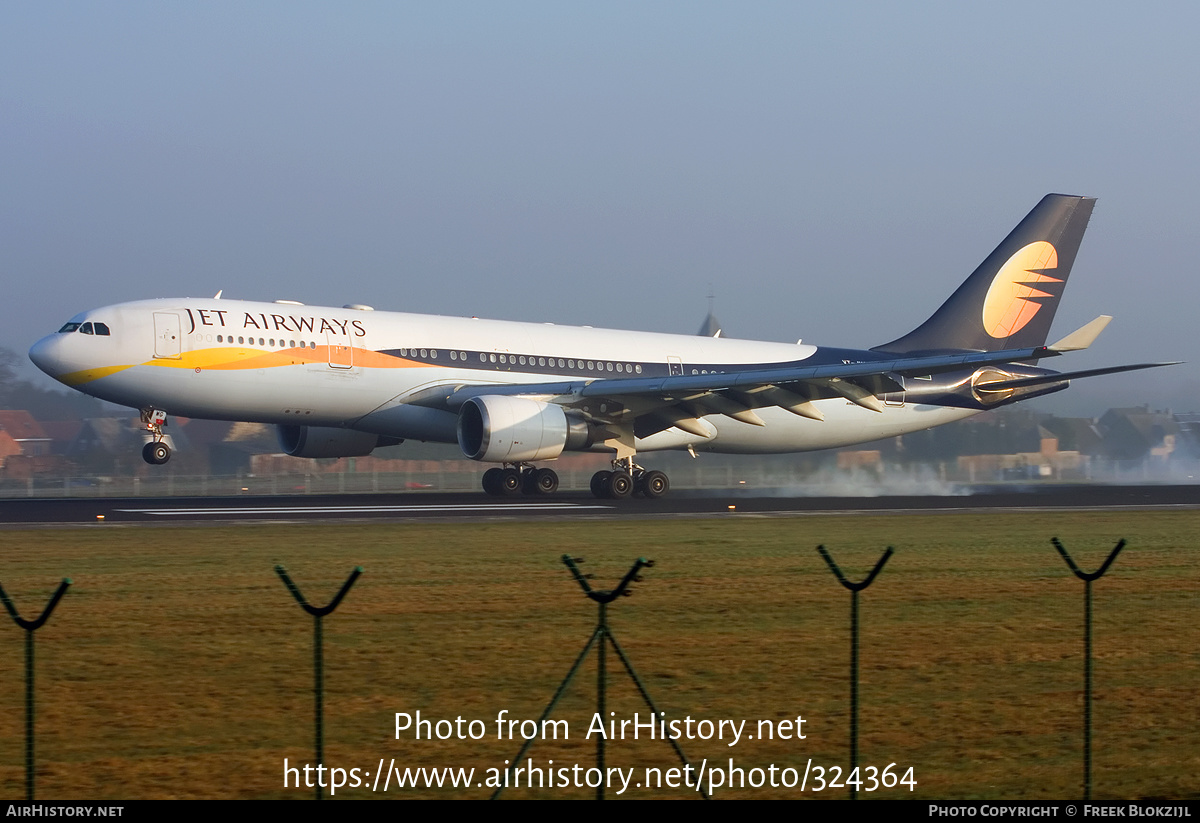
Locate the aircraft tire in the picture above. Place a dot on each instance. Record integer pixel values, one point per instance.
(654, 484)
(156, 453)
(528, 480)
(600, 482)
(545, 481)
(491, 481)
(510, 482)
(621, 486)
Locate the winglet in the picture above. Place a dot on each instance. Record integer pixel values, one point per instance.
(1083, 337)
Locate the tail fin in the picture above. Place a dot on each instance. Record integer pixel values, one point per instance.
(1010, 300)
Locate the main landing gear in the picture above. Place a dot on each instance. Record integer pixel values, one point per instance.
(627, 478)
(519, 478)
(156, 452)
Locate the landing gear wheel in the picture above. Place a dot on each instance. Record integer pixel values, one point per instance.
(600, 483)
(545, 481)
(510, 482)
(653, 484)
(528, 483)
(156, 453)
(491, 481)
(621, 486)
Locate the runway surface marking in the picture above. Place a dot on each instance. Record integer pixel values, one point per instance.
(501, 507)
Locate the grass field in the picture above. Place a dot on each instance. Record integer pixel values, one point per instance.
(178, 666)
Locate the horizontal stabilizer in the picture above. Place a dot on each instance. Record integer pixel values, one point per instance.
(1023, 382)
(1083, 337)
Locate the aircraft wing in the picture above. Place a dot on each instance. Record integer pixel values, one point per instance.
(658, 403)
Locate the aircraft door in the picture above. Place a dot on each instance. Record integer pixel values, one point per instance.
(166, 335)
(341, 352)
(675, 365)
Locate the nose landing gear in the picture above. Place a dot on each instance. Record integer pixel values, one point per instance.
(156, 452)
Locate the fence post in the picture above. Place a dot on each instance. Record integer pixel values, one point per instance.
(854, 588)
(1087, 652)
(30, 626)
(318, 657)
(601, 634)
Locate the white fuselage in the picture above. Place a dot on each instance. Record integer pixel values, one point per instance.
(305, 365)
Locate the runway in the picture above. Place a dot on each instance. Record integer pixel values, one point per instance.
(426, 506)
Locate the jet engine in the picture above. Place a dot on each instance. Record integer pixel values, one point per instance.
(501, 429)
(327, 441)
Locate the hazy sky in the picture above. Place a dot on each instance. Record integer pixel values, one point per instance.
(833, 171)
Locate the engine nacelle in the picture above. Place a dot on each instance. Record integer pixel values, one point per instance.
(502, 429)
(326, 441)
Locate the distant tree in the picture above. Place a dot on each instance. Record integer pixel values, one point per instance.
(43, 404)
(8, 374)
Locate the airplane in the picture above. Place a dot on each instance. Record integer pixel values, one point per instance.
(343, 382)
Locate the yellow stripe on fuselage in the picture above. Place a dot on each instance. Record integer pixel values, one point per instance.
(78, 378)
(242, 358)
(229, 359)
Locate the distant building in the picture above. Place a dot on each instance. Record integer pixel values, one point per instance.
(26, 432)
(1137, 433)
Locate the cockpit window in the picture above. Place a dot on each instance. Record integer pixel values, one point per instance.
(86, 328)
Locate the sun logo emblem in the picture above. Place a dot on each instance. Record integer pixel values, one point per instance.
(1013, 298)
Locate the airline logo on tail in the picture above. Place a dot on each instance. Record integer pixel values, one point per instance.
(1013, 298)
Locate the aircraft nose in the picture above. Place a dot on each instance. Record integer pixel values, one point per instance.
(44, 354)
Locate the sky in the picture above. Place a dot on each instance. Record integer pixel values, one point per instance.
(828, 172)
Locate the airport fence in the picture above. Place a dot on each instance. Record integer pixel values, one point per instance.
(708, 472)
(971, 651)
